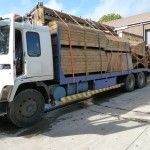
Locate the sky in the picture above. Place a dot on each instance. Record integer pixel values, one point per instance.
(91, 9)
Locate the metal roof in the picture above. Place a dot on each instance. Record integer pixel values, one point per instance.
(129, 20)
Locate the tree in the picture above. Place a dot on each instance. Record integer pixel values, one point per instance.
(109, 17)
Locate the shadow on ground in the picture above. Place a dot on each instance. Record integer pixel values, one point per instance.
(72, 121)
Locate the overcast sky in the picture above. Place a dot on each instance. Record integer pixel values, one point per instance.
(93, 9)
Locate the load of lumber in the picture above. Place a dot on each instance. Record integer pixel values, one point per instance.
(115, 43)
(136, 42)
(87, 46)
(137, 45)
(148, 55)
(79, 36)
(91, 49)
(119, 61)
(85, 36)
(85, 60)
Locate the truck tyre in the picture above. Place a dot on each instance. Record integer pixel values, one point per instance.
(140, 80)
(129, 83)
(27, 108)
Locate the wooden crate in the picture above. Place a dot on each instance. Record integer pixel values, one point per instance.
(119, 61)
(85, 60)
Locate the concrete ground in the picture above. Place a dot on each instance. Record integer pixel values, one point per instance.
(112, 121)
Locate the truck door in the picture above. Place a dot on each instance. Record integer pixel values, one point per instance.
(33, 54)
(38, 53)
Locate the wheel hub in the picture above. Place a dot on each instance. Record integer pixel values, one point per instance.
(28, 108)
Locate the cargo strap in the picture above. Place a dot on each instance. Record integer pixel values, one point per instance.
(74, 20)
(118, 43)
(85, 48)
(86, 20)
(99, 44)
(70, 44)
(88, 94)
(127, 58)
(101, 65)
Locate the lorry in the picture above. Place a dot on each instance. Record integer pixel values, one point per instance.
(31, 70)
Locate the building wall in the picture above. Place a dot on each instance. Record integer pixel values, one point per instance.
(135, 30)
(139, 30)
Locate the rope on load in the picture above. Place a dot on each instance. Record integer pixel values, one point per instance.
(70, 44)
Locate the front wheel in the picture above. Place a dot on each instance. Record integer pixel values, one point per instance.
(27, 108)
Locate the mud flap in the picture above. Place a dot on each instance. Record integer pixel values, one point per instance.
(3, 108)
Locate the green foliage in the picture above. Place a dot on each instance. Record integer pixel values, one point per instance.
(109, 17)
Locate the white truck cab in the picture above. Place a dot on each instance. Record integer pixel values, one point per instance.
(25, 58)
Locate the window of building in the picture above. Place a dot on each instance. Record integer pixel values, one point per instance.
(147, 36)
(33, 44)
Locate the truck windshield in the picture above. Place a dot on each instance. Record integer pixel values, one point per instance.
(4, 36)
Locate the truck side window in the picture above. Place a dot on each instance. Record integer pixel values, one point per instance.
(33, 44)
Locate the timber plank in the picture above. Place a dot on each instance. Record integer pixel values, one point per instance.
(119, 61)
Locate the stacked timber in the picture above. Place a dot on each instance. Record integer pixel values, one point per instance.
(137, 46)
(115, 43)
(91, 49)
(85, 60)
(119, 61)
(84, 46)
(79, 36)
(148, 55)
(131, 36)
(88, 45)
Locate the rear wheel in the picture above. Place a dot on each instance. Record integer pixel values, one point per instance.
(27, 108)
(140, 80)
(129, 83)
